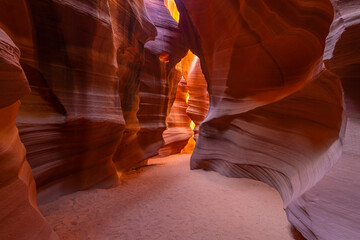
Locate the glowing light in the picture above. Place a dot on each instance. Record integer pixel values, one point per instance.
(192, 125)
(189, 148)
(170, 4)
(119, 175)
(164, 57)
(185, 66)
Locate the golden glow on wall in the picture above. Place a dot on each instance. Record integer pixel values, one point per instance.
(170, 4)
(164, 57)
(192, 125)
(187, 63)
(185, 66)
(189, 148)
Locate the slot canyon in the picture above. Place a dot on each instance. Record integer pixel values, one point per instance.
(179, 119)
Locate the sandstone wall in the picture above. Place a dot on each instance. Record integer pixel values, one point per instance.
(19, 215)
(100, 93)
(330, 210)
(276, 110)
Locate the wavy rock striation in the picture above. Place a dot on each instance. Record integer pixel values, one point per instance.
(104, 79)
(178, 131)
(276, 112)
(70, 61)
(156, 86)
(330, 210)
(198, 103)
(19, 215)
(253, 109)
(100, 93)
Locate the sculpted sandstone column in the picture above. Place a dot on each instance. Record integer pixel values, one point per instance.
(178, 130)
(19, 215)
(198, 96)
(157, 84)
(72, 122)
(276, 113)
(331, 209)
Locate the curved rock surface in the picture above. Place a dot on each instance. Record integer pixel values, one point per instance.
(19, 215)
(198, 103)
(94, 76)
(236, 40)
(178, 131)
(156, 87)
(276, 113)
(331, 209)
(260, 94)
(104, 80)
(69, 135)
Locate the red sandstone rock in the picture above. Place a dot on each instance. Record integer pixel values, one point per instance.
(73, 76)
(19, 215)
(178, 131)
(157, 83)
(13, 81)
(101, 92)
(236, 41)
(276, 114)
(198, 96)
(80, 57)
(255, 145)
(330, 210)
(76, 56)
(242, 90)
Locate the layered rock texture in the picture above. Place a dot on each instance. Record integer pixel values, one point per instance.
(100, 92)
(273, 95)
(330, 210)
(198, 102)
(189, 108)
(156, 87)
(276, 111)
(69, 135)
(19, 215)
(178, 131)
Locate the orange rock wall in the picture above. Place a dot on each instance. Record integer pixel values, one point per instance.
(330, 210)
(178, 130)
(152, 91)
(19, 215)
(280, 102)
(198, 96)
(276, 110)
(100, 93)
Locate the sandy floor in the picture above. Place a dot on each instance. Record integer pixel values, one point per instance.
(168, 201)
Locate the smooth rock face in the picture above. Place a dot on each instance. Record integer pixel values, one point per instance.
(93, 75)
(70, 62)
(260, 94)
(133, 28)
(19, 215)
(178, 131)
(330, 210)
(276, 113)
(156, 89)
(13, 81)
(235, 41)
(255, 145)
(282, 89)
(198, 96)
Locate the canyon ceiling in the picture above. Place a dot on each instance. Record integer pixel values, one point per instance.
(270, 90)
